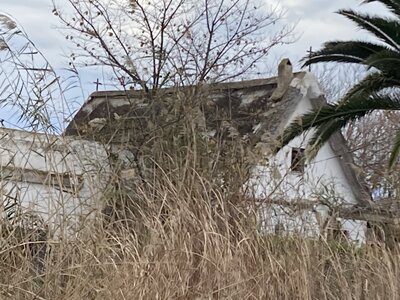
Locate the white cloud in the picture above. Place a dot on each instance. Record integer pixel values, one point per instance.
(318, 23)
(37, 20)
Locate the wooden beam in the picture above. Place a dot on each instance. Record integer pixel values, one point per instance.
(373, 213)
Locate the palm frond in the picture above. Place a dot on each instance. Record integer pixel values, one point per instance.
(377, 91)
(322, 135)
(352, 51)
(332, 58)
(383, 28)
(395, 150)
(392, 5)
(372, 83)
(342, 113)
(386, 61)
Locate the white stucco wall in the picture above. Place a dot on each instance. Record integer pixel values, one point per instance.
(58, 179)
(323, 177)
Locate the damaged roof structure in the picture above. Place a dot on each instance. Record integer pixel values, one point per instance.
(237, 110)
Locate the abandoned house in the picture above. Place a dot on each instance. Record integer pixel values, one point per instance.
(294, 194)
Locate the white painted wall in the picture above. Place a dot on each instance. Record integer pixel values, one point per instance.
(323, 177)
(32, 166)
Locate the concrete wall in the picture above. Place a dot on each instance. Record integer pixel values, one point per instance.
(54, 179)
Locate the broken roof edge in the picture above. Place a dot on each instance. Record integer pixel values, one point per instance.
(48, 141)
(90, 104)
(212, 86)
(304, 82)
(43, 136)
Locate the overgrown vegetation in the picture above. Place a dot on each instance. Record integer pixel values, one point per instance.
(194, 253)
(179, 226)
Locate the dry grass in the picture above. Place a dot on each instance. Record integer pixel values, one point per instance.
(180, 235)
(189, 242)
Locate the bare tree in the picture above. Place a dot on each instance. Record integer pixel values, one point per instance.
(153, 44)
(150, 45)
(370, 140)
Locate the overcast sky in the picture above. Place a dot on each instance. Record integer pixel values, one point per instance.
(316, 23)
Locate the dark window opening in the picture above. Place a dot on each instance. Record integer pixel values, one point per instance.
(298, 160)
(279, 228)
(65, 182)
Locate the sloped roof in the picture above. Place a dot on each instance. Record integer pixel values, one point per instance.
(244, 105)
(239, 110)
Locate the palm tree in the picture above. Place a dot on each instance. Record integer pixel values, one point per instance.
(379, 90)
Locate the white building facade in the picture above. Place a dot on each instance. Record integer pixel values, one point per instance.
(57, 181)
(301, 195)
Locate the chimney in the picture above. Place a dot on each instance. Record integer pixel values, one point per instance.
(285, 76)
